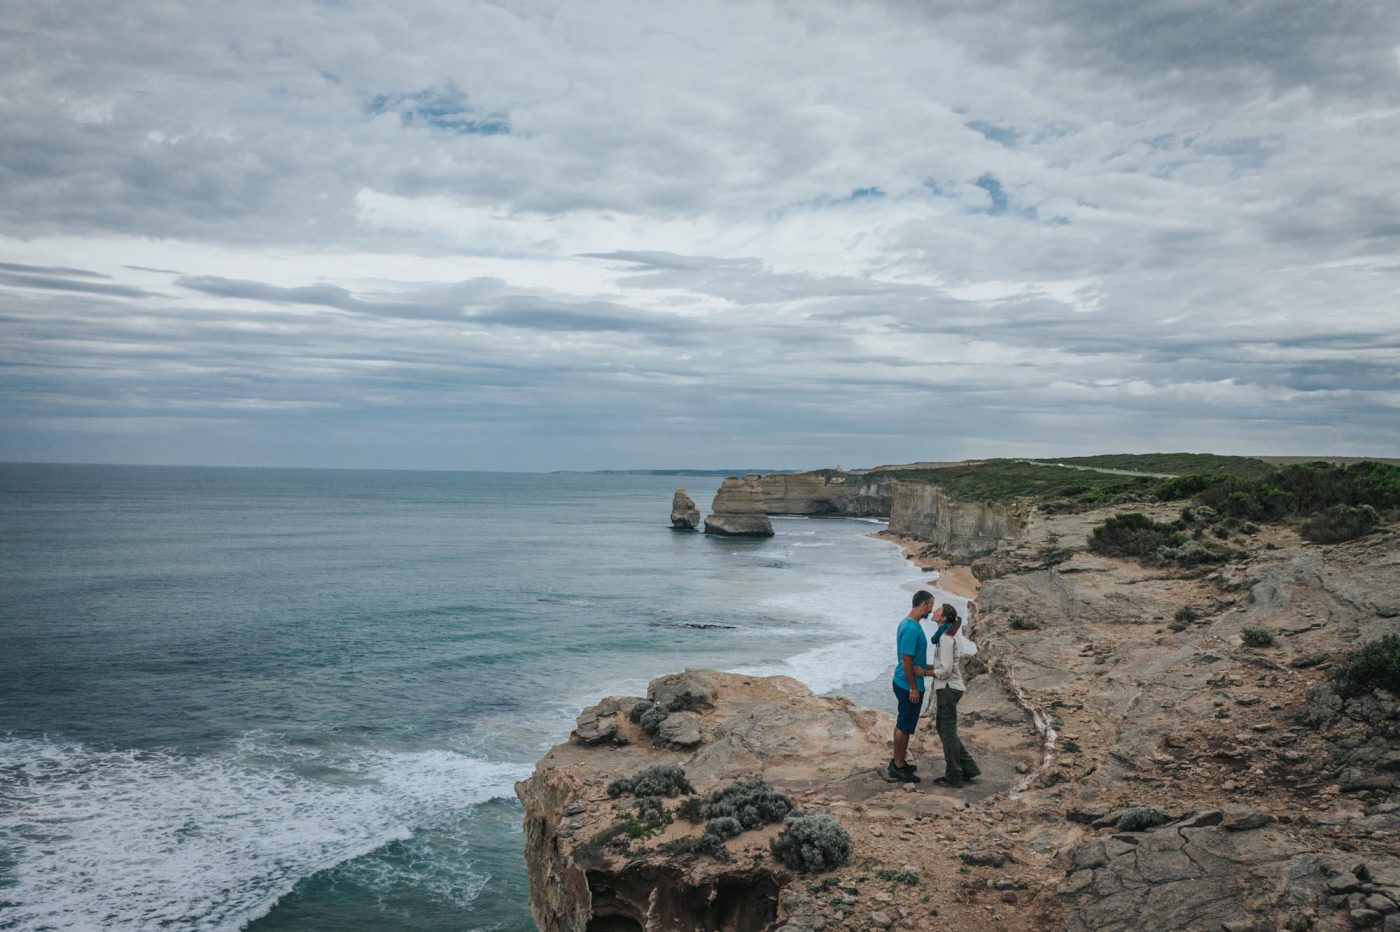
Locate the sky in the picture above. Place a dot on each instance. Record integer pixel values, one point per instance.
(450, 234)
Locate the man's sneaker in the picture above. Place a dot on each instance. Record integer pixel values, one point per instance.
(909, 765)
(902, 775)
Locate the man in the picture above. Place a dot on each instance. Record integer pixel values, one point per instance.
(948, 687)
(911, 653)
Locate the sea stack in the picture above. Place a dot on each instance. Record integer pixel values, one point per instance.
(684, 515)
(738, 509)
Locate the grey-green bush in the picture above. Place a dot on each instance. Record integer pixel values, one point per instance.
(1140, 819)
(724, 827)
(656, 780)
(753, 802)
(811, 843)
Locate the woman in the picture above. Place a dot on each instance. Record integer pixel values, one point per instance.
(948, 687)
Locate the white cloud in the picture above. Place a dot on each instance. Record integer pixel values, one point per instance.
(697, 235)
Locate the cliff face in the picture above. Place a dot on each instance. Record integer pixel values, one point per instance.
(958, 529)
(819, 493)
(738, 509)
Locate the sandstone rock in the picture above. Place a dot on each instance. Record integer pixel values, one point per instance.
(1241, 819)
(880, 920)
(682, 692)
(599, 724)
(738, 510)
(983, 857)
(680, 730)
(684, 515)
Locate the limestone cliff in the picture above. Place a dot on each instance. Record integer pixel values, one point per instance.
(684, 515)
(855, 495)
(738, 509)
(958, 529)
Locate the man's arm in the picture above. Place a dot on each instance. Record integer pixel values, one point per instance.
(907, 660)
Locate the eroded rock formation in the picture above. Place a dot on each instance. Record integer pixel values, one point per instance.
(684, 515)
(827, 492)
(959, 530)
(738, 509)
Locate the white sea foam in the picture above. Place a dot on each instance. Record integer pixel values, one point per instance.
(139, 840)
(854, 616)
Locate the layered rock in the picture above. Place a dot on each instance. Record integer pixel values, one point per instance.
(959, 530)
(826, 492)
(738, 509)
(684, 515)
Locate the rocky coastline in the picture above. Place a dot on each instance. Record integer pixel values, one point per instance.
(1145, 767)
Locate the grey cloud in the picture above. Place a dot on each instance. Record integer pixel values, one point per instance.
(48, 270)
(55, 283)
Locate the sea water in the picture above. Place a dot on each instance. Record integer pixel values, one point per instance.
(298, 699)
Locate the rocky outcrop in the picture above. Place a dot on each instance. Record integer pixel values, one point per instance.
(593, 865)
(738, 510)
(684, 515)
(959, 530)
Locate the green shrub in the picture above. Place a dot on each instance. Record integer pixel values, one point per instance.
(812, 843)
(1221, 532)
(1375, 666)
(905, 877)
(752, 802)
(691, 809)
(1257, 637)
(1341, 523)
(1183, 487)
(1141, 819)
(656, 780)
(1187, 614)
(1023, 624)
(1132, 535)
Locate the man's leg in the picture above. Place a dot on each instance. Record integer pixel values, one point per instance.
(947, 723)
(901, 747)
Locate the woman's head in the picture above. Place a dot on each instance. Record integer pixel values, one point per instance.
(948, 615)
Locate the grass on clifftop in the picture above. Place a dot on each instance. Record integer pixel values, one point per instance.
(1003, 480)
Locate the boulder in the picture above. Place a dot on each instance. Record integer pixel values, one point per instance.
(682, 692)
(684, 515)
(738, 510)
(680, 730)
(598, 724)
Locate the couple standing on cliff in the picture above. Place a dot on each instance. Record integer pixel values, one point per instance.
(911, 659)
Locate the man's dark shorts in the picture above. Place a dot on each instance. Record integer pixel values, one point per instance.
(908, 715)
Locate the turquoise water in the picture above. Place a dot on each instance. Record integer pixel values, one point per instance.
(298, 699)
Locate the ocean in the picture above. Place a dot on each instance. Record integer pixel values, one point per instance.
(281, 699)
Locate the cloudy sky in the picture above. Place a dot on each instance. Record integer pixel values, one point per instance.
(539, 235)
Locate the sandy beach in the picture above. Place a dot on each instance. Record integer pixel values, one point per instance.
(956, 578)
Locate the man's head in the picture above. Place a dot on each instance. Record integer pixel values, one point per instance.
(923, 604)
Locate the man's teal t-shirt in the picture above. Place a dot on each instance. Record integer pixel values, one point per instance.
(909, 639)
